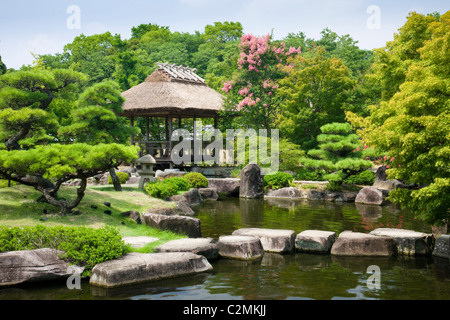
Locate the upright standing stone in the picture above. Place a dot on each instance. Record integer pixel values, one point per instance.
(369, 195)
(251, 182)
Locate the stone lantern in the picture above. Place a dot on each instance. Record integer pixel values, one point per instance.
(144, 168)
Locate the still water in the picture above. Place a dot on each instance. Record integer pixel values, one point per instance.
(284, 277)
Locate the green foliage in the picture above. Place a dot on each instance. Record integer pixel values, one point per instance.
(337, 156)
(363, 178)
(123, 177)
(196, 180)
(411, 125)
(278, 180)
(316, 92)
(82, 246)
(167, 187)
(305, 174)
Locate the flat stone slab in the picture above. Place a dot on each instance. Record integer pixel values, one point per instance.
(206, 247)
(315, 241)
(240, 247)
(408, 242)
(134, 268)
(17, 267)
(175, 223)
(361, 244)
(442, 246)
(139, 242)
(272, 240)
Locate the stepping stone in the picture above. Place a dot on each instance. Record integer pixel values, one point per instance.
(361, 244)
(315, 241)
(133, 268)
(175, 223)
(139, 242)
(240, 247)
(442, 246)
(409, 242)
(206, 247)
(272, 240)
(20, 267)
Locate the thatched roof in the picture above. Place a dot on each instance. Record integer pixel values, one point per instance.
(173, 90)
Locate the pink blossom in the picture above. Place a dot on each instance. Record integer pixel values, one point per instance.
(392, 159)
(227, 87)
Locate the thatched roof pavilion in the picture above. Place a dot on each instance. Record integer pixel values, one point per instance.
(171, 92)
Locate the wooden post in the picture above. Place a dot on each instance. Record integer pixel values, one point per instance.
(169, 152)
(147, 135)
(132, 124)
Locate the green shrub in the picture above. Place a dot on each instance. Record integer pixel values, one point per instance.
(363, 178)
(167, 187)
(196, 180)
(82, 246)
(278, 180)
(123, 177)
(308, 175)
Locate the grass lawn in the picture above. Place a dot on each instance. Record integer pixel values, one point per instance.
(18, 207)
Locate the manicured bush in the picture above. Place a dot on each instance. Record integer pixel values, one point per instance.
(123, 177)
(308, 175)
(278, 180)
(363, 178)
(167, 187)
(196, 180)
(82, 245)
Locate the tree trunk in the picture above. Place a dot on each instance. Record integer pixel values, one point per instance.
(115, 180)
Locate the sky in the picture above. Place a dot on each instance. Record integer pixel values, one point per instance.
(46, 26)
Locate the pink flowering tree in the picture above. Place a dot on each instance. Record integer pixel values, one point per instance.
(252, 92)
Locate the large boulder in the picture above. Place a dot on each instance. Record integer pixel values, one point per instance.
(315, 241)
(361, 244)
(225, 187)
(288, 192)
(175, 223)
(442, 246)
(272, 240)
(369, 195)
(409, 242)
(206, 247)
(208, 194)
(252, 185)
(18, 267)
(240, 247)
(134, 268)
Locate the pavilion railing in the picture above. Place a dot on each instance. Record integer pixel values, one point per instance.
(161, 150)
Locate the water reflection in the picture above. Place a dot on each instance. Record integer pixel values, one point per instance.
(223, 217)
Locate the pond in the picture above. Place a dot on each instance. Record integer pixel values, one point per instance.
(284, 277)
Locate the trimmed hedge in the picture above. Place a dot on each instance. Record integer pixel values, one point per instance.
(278, 180)
(196, 180)
(167, 187)
(123, 177)
(82, 246)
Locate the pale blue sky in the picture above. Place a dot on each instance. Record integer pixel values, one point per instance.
(40, 26)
